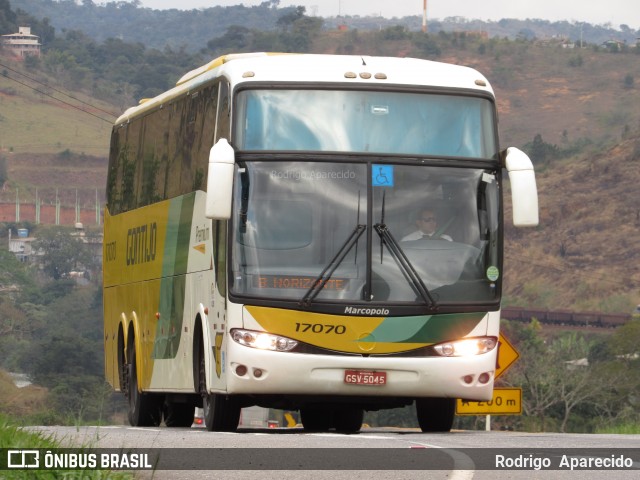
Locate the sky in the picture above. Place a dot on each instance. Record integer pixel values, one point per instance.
(597, 12)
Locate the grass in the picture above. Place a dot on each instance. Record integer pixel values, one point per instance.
(13, 436)
(20, 402)
(34, 123)
(624, 429)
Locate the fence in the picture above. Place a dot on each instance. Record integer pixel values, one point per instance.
(57, 210)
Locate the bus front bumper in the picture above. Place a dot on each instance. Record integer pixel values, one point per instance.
(253, 371)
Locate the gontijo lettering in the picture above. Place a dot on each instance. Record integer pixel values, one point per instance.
(110, 251)
(142, 242)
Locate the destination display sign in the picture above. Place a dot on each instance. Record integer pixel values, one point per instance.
(296, 281)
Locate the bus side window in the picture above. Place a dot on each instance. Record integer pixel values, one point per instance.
(154, 164)
(200, 128)
(128, 163)
(223, 128)
(174, 148)
(114, 175)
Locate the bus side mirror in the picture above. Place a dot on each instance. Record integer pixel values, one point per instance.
(220, 181)
(524, 193)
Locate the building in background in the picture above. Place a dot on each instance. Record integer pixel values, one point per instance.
(22, 44)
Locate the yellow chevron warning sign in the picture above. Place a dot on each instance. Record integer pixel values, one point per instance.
(507, 355)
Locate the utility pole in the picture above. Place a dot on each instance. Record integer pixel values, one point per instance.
(57, 208)
(97, 209)
(37, 208)
(17, 205)
(424, 16)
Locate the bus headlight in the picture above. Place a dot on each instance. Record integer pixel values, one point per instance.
(466, 347)
(262, 340)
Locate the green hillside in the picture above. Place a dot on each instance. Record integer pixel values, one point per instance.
(576, 111)
(31, 122)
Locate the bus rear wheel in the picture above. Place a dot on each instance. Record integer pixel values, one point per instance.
(145, 409)
(178, 414)
(435, 414)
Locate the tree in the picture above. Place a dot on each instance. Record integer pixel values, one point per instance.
(624, 346)
(62, 252)
(530, 371)
(298, 30)
(66, 351)
(541, 152)
(426, 45)
(573, 376)
(7, 17)
(628, 81)
(12, 321)
(236, 39)
(561, 389)
(397, 32)
(287, 20)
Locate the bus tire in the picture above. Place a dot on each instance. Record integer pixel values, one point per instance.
(435, 414)
(144, 408)
(178, 414)
(348, 419)
(317, 419)
(221, 412)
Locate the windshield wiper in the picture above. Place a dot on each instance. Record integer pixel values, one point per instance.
(386, 238)
(322, 279)
(404, 262)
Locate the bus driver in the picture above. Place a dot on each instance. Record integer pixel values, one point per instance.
(427, 228)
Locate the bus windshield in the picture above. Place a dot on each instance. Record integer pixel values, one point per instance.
(379, 232)
(365, 121)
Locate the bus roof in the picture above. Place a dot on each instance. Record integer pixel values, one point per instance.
(313, 68)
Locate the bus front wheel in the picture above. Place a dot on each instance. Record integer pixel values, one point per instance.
(348, 419)
(316, 419)
(435, 414)
(221, 412)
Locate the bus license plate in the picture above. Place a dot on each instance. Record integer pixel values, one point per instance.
(360, 377)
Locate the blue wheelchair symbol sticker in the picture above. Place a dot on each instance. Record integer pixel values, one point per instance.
(382, 176)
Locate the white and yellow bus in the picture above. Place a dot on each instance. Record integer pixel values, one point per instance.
(264, 241)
